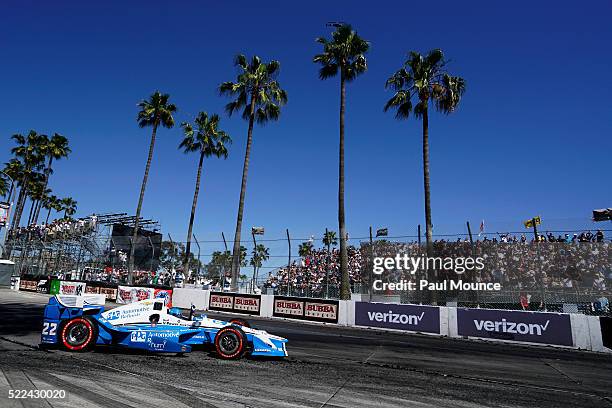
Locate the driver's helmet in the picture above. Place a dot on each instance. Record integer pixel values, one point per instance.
(175, 311)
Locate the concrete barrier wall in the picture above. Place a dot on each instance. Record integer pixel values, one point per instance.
(494, 325)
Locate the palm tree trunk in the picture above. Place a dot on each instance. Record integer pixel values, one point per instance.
(245, 171)
(345, 288)
(32, 206)
(140, 200)
(20, 204)
(48, 215)
(193, 210)
(428, 227)
(432, 275)
(47, 173)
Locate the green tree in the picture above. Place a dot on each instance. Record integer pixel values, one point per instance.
(305, 249)
(344, 54)
(14, 169)
(29, 152)
(51, 203)
(55, 148)
(155, 111)
(207, 140)
(258, 94)
(259, 255)
(423, 79)
(69, 206)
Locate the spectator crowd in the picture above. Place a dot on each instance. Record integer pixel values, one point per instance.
(59, 229)
(582, 262)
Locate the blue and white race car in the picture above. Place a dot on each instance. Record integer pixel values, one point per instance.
(79, 323)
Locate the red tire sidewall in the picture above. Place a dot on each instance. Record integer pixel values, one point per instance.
(240, 322)
(90, 338)
(241, 339)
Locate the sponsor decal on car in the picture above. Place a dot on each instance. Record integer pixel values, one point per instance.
(138, 336)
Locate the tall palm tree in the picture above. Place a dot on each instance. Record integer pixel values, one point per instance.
(305, 249)
(208, 140)
(260, 254)
(51, 203)
(14, 169)
(29, 152)
(259, 93)
(423, 79)
(329, 240)
(153, 112)
(344, 53)
(55, 148)
(69, 206)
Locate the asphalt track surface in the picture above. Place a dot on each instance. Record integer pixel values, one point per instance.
(327, 367)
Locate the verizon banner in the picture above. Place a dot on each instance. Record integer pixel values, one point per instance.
(235, 302)
(424, 319)
(549, 328)
(318, 310)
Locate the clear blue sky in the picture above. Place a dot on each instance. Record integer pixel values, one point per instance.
(531, 137)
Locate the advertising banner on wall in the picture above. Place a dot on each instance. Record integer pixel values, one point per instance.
(109, 293)
(72, 288)
(235, 302)
(129, 294)
(318, 310)
(29, 285)
(549, 328)
(424, 319)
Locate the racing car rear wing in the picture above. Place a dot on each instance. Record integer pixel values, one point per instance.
(81, 301)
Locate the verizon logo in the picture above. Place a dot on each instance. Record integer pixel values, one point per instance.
(505, 326)
(399, 318)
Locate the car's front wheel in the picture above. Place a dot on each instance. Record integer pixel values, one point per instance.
(230, 343)
(79, 334)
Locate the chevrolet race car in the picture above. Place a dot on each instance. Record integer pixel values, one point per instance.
(78, 323)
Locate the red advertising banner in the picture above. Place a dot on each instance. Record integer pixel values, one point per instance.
(235, 302)
(221, 301)
(318, 310)
(110, 293)
(250, 304)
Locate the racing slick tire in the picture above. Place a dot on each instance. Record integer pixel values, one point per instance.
(230, 343)
(79, 334)
(240, 322)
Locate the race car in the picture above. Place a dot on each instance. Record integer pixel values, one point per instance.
(78, 323)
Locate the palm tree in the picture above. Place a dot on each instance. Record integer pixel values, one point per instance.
(29, 152)
(259, 254)
(424, 79)
(329, 239)
(208, 140)
(259, 93)
(55, 148)
(69, 206)
(344, 53)
(305, 249)
(14, 169)
(51, 203)
(153, 112)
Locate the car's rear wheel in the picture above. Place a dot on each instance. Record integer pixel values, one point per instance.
(240, 322)
(230, 342)
(79, 334)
